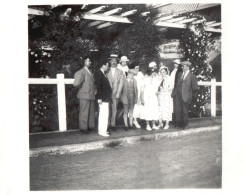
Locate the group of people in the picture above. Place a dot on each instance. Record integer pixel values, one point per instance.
(158, 97)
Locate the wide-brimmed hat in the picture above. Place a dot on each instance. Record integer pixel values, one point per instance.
(187, 63)
(124, 59)
(132, 71)
(113, 56)
(152, 64)
(177, 61)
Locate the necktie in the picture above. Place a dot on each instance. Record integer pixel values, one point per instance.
(183, 76)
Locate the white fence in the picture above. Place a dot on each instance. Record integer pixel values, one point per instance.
(60, 81)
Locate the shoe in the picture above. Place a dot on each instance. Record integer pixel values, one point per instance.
(160, 125)
(113, 128)
(137, 125)
(125, 128)
(104, 134)
(86, 132)
(148, 128)
(90, 130)
(186, 127)
(155, 127)
(131, 128)
(166, 127)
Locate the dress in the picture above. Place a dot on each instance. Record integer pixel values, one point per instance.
(138, 107)
(165, 100)
(131, 98)
(150, 110)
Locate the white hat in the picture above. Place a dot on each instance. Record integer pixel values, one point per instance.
(152, 64)
(124, 59)
(164, 67)
(177, 61)
(187, 63)
(113, 56)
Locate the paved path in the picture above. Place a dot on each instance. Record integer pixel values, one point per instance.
(190, 161)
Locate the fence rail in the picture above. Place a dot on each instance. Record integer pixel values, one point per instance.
(60, 81)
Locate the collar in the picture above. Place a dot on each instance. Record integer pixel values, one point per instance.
(123, 68)
(102, 71)
(87, 69)
(186, 72)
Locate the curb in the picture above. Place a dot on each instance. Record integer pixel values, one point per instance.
(114, 143)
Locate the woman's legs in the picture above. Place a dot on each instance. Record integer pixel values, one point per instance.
(136, 123)
(154, 125)
(166, 125)
(148, 127)
(160, 123)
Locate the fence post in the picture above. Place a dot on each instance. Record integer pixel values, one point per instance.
(61, 102)
(213, 98)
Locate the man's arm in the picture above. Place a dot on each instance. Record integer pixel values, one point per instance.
(121, 83)
(98, 83)
(194, 83)
(78, 79)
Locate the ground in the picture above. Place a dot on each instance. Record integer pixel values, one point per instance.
(191, 161)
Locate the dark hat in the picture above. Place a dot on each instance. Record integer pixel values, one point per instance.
(113, 56)
(187, 63)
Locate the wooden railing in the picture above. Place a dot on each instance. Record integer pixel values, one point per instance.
(60, 81)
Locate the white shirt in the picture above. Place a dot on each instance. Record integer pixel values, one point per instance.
(113, 71)
(103, 72)
(172, 76)
(185, 73)
(174, 72)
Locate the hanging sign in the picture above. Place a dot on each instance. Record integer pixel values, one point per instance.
(171, 49)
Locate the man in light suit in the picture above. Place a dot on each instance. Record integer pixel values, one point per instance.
(116, 80)
(84, 81)
(103, 97)
(182, 93)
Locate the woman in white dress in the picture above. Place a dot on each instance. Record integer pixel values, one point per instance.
(164, 98)
(150, 111)
(138, 107)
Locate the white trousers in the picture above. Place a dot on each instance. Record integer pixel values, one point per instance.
(103, 117)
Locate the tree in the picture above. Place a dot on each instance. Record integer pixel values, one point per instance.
(140, 41)
(56, 43)
(58, 39)
(195, 41)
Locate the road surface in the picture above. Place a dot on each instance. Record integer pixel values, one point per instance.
(191, 161)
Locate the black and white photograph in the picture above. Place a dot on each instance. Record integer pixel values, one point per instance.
(125, 96)
(120, 96)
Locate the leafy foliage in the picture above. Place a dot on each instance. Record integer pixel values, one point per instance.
(57, 41)
(140, 41)
(195, 41)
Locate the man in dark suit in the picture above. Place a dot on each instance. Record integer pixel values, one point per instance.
(173, 77)
(182, 93)
(103, 97)
(177, 69)
(84, 81)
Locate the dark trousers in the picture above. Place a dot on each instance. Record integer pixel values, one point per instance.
(86, 114)
(181, 110)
